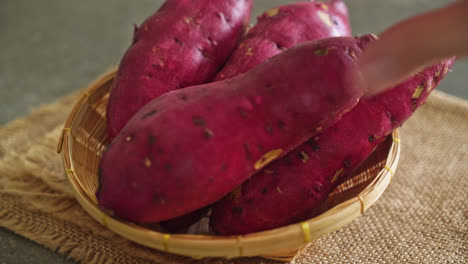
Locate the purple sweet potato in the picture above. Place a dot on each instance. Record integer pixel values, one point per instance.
(188, 148)
(277, 30)
(284, 27)
(292, 188)
(184, 43)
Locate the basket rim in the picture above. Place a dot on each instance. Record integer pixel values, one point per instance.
(292, 236)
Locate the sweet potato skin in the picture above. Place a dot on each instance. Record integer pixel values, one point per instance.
(184, 43)
(284, 27)
(277, 30)
(292, 188)
(188, 148)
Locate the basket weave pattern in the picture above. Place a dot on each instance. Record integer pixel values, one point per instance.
(83, 141)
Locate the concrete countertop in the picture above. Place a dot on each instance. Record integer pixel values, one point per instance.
(50, 48)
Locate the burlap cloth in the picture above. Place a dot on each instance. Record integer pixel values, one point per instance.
(421, 218)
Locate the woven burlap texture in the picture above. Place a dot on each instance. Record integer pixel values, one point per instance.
(421, 218)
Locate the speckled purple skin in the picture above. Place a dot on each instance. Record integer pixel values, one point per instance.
(184, 43)
(292, 188)
(188, 148)
(284, 27)
(276, 30)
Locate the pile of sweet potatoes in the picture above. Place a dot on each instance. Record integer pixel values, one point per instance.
(255, 127)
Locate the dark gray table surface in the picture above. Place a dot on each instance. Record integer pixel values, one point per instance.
(50, 48)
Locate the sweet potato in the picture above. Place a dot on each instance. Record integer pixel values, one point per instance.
(292, 188)
(286, 26)
(184, 43)
(277, 30)
(190, 147)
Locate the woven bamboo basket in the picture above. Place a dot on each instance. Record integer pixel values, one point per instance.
(83, 141)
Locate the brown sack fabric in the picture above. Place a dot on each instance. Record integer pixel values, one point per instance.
(421, 218)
